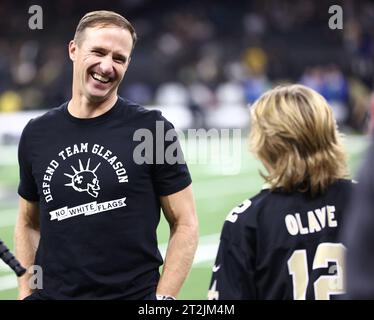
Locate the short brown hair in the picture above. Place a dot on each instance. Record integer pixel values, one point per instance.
(103, 18)
(294, 133)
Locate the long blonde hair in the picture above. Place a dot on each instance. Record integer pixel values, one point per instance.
(293, 132)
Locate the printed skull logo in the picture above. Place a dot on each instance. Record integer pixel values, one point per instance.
(84, 179)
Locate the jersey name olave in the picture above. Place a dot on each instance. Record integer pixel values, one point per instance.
(317, 220)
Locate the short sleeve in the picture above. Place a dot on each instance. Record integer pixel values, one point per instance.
(27, 187)
(233, 276)
(170, 171)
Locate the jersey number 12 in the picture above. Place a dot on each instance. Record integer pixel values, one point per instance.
(326, 285)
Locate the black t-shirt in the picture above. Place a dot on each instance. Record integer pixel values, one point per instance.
(281, 245)
(99, 208)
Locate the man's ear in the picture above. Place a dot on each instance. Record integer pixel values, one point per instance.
(72, 50)
(127, 64)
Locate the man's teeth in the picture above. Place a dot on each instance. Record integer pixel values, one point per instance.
(99, 77)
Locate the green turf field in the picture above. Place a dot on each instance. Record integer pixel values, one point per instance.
(217, 187)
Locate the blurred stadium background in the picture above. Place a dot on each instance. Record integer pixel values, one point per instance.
(202, 63)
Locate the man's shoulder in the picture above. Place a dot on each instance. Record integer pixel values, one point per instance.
(341, 190)
(136, 111)
(246, 212)
(136, 108)
(48, 118)
(242, 220)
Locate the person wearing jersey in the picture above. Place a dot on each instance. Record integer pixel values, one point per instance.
(283, 242)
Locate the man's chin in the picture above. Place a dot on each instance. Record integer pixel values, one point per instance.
(97, 97)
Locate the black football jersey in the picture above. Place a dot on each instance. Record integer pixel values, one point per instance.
(281, 245)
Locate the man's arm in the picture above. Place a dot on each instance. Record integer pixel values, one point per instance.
(179, 210)
(26, 239)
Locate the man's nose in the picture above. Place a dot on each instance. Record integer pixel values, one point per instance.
(106, 65)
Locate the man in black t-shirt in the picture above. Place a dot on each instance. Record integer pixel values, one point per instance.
(92, 182)
(283, 243)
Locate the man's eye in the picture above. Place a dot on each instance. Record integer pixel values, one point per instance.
(120, 60)
(98, 53)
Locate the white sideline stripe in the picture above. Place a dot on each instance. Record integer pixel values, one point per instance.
(205, 252)
(7, 221)
(203, 190)
(8, 218)
(8, 282)
(3, 267)
(8, 155)
(353, 143)
(8, 212)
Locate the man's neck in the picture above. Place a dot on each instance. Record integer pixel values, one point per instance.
(81, 107)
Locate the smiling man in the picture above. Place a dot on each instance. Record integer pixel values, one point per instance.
(88, 213)
(101, 53)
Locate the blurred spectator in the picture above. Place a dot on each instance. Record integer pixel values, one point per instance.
(171, 94)
(371, 113)
(254, 86)
(230, 112)
(359, 95)
(255, 43)
(10, 101)
(139, 92)
(202, 100)
(335, 90)
(330, 82)
(313, 78)
(359, 235)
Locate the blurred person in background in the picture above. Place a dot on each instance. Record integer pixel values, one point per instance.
(197, 42)
(88, 212)
(358, 230)
(283, 243)
(358, 233)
